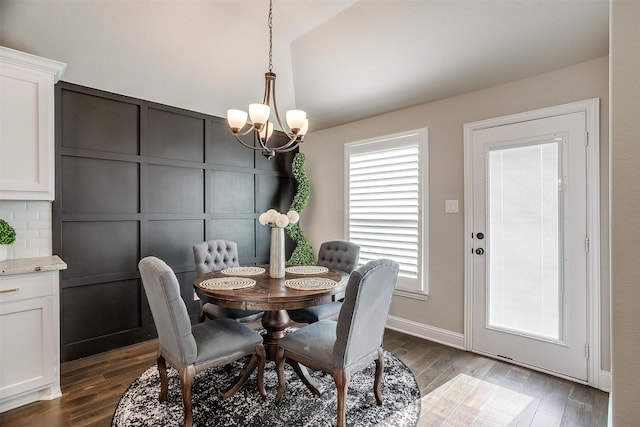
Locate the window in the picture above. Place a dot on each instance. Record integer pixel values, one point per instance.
(385, 212)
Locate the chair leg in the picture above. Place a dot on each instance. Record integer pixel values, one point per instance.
(377, 384)
(201, 314)
(164, 384)
(341, 378)
(187, 374)
(256, 360)
(262, 356)
(280, 370)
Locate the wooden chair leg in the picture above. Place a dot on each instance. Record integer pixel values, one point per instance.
(280, 370)
(341, 378)
(377, 384)
(256, 360)
(164, 384)
(187, 374)
(201, 314)
(262, 356)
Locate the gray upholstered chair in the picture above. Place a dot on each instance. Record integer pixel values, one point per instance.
(193, 349)
(217, 255)
(350, 344)
(336, 255)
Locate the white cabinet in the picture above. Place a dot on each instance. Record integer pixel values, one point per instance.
(27, 125)
(29, 336)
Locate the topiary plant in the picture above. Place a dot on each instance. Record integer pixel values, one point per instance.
(303, 254)
(7, 233)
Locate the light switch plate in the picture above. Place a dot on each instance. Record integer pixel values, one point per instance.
(451, 206)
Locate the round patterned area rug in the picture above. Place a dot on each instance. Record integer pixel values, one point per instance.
(139, 405)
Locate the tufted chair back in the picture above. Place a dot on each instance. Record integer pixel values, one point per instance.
(339, 255)
(168, 309)
(364, 311)
(215, 255)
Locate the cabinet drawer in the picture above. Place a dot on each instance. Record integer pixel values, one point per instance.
(24, 286)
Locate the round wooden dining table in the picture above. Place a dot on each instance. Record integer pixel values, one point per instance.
(271, 296)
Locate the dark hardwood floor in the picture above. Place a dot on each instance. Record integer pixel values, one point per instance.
(92, 386)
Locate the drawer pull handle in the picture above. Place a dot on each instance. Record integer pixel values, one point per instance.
(6, 291)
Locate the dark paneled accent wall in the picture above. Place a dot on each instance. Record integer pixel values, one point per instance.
(135, 178)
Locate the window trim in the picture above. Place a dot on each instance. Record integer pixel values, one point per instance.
(423, 195)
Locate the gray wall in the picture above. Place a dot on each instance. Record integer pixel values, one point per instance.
(625, 211)
(444, 309)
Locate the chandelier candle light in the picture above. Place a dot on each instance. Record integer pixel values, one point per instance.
(260, 125)
(277, 222)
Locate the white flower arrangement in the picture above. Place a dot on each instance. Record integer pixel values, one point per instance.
(273, 218)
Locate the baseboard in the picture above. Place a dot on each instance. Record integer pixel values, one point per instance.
(431, 333)
(605, 381)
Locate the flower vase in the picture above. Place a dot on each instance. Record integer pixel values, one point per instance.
(3, 252)
(276, 255)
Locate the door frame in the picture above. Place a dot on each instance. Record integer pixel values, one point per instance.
(591, 108)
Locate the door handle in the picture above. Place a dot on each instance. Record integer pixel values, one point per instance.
(479, 251)
(480, 236)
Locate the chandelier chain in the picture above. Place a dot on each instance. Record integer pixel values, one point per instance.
(270, 35)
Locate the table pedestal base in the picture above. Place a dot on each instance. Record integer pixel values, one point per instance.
(275, 323)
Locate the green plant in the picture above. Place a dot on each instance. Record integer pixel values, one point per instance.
(303, 254)
(7, 233)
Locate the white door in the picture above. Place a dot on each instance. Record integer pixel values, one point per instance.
(529, 262)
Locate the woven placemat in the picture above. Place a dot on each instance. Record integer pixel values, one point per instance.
(243, 271)
(310, 283)
(226, 283)
(306, 269)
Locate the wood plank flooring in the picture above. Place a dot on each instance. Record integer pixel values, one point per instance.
(556, 402)
(92, 386)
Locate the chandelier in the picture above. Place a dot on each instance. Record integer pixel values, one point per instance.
(260, 125)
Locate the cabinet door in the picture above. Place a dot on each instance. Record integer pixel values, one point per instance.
(26, 143)
(27, 337)
(27, 125)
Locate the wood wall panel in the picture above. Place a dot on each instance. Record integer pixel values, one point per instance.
(175, 136)
(172, 189)
(135, 178)
(223, 149)
(230, 192)
(116, 304)
(241, 231)
(97, 123)
(172, 241)
(99, 186)
(95, 248)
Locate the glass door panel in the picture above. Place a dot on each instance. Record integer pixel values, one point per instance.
(525, 237)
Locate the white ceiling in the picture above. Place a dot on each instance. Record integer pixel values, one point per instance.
(340, 60)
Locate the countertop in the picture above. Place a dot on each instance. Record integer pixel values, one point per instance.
(32, 265)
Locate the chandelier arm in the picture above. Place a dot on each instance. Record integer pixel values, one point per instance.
(249, 129)
(287, 146)
(275, 108)
(266, 99)
(287, 149)
(294, 140)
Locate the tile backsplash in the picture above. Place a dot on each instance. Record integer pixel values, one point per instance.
(32, 222)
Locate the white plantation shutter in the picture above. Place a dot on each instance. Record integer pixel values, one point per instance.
(384, 203)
